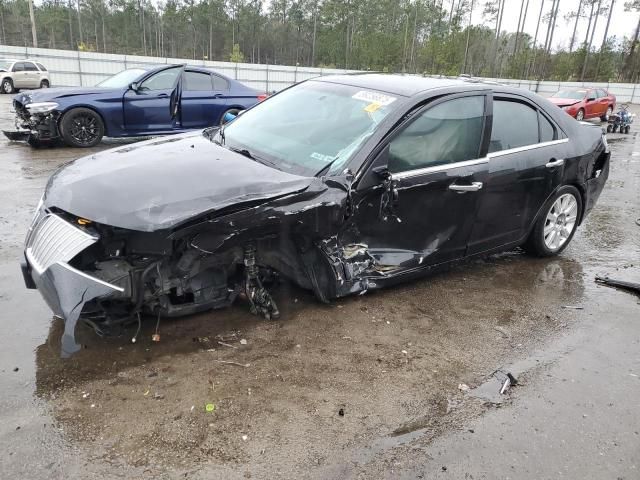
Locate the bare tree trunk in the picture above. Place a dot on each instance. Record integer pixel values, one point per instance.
(593, 31)
(586, 37)
(497, 39)
(69, 9)
(515, 46)
(79, 23)
(466, 48)
(604, 38)
(32, 17)
(313, 42)
(413, 40)
(4, 35)
(104, 36)
(575, 27)
(95, 32)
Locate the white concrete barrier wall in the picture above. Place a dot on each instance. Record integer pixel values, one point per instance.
(72, 68)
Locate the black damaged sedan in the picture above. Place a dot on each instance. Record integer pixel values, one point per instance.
(342, 184)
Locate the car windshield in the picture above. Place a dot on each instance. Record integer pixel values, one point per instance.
(573, 94)
(4, 65)
(122, 79)
(310, 128)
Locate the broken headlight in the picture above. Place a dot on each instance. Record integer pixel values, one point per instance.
(41, 107)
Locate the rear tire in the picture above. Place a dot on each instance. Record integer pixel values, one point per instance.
(7, 86)
(609, 128)
(626, 129)
(606, 116)
(580, 115)
(44, 83)
(81, 127)
(554, 229)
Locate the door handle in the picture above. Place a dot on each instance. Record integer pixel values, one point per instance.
(555, 163)
(472, 187)
(162, 95)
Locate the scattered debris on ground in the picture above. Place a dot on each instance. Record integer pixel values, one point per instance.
(621, 284)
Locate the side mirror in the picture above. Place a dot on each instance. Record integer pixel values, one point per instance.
(591, 99)
(134, 86)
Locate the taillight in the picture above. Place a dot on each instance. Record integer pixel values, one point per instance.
(262, 97)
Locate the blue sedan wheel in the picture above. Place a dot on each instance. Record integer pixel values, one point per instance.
(81, 127)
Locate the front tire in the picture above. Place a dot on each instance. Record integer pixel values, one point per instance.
(7, 86)
(606, 116)
(81, 127)
(557, 224)
(44, 83)
(580, 115)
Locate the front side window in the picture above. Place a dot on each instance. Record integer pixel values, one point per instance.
(164, 80)
(449, 132)
(30, 67)
(515, 125)
(310, 128)
(601, 93)
(197, 82)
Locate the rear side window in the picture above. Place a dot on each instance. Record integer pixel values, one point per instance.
(547, 130)
(515, 125)
(41, 67)
(220, 83)
(450, 132)
(197, 82)
(18, 67)
(30, 67)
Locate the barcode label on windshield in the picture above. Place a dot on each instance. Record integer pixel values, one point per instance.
(374, 97)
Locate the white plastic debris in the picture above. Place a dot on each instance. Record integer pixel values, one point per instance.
(243, 341)
(463, 387)
(244, 438)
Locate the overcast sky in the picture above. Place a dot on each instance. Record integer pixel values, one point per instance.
(622, 23)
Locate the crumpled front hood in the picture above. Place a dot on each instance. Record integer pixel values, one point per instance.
(53, 94)
(563, 102)
(163, 182)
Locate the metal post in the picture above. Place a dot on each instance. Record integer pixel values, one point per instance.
(80, 69)
(267, 67)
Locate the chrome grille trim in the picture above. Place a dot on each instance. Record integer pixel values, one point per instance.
(52, 239)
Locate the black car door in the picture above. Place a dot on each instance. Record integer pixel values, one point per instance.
(526, 163)
(432, 170)
(152, 106)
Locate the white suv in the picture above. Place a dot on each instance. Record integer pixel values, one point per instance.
(16, 74)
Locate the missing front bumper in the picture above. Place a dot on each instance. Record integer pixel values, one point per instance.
(66, 290)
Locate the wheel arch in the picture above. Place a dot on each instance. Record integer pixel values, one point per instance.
(88, 107)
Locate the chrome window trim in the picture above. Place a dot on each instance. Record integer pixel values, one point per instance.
(439, 168)
(479, 161)
(527, 147)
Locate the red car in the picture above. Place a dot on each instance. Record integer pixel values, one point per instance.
(583, 103)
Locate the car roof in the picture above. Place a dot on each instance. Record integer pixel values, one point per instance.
(405, 85)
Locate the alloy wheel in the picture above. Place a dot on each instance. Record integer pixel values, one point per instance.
(560, 221)
(580, 115)
(6, 86)
(84, 129)
(609, 112)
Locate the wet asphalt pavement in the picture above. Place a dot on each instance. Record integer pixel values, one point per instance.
(369, 387)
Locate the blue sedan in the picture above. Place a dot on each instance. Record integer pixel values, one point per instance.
(135, 102)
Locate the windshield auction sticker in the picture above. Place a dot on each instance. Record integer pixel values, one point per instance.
(374, 97)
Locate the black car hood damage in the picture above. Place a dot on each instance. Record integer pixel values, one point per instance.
(161, 183)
